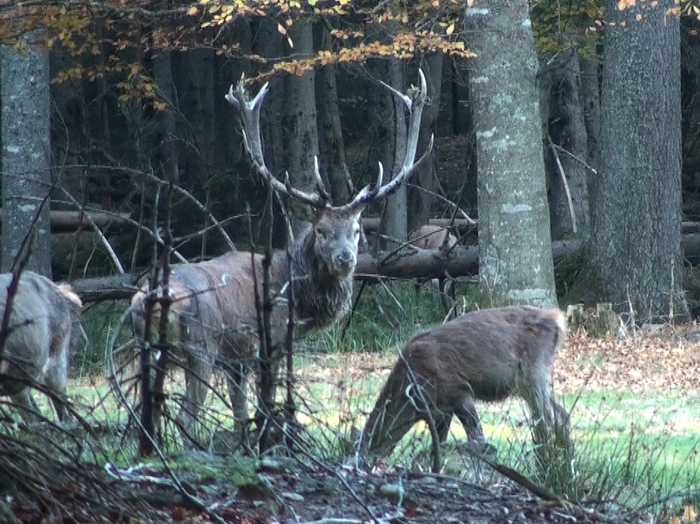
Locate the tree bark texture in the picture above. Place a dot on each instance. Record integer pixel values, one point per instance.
(420, 197)
(515, 254)
(567, 129)
(302, 140)
(167, 133)
(636, 242)
(26, 154)
(590, 94)
(395, 216)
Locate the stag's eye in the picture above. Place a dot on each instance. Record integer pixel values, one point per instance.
(322, 234)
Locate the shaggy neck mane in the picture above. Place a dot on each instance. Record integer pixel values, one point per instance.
(320, 298)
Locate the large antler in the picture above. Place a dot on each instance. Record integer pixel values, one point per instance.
(414, 102)
(250, 122)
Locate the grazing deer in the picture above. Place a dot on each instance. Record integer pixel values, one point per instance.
(484, 355)
(42, 321)
(213, 318)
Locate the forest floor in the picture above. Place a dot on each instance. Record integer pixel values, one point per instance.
(636, 422)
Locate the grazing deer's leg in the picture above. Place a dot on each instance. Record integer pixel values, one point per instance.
(469, 418)
(442, 424)
(561, 426)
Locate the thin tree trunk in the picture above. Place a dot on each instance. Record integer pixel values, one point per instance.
(269, 44)
(636, 243)
(26, 154)
(420, 201)
(302, 141)
(395, 217)
(167, 135)
(331, 140)
(590, 94)
(567, 130)
(515, 254)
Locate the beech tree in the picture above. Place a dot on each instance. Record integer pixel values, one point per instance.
(26, 154)
(515, 256)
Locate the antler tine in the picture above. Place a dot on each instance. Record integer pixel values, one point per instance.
(250, 123)
(319, 181)
(367, 193)
(414, 102)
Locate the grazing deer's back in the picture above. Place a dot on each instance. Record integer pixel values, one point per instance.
(486, 349)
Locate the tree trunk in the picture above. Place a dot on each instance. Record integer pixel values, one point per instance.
(590, 94)
(636, 242)
(330, 137)
(515, 254)
(421, 199)
(167, 151)
(302, 141)
(268, 44)
(567, 129)
(395, 217)
(26, 154)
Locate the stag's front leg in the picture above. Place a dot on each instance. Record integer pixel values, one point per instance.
(237, 382)
(198, 372)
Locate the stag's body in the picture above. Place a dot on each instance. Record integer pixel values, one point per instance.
(42, 321)
(485, 355)
(213, 319)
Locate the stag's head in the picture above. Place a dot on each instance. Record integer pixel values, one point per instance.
(336, 236)
(335, 229)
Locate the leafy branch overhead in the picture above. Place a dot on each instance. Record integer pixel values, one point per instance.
(117, 31)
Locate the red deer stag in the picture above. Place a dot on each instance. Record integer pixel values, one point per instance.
(213, 318)
(42, 320)
(484, 355)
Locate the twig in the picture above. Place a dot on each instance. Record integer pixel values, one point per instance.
(566, 186)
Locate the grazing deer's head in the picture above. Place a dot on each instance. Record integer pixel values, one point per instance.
(335, 229)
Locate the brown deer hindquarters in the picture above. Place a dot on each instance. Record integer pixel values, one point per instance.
(485, 355)
(37, 347)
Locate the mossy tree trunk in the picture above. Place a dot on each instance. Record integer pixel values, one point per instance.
(26, 154)
(515, 254)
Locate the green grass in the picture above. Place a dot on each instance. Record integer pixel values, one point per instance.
(630, 448)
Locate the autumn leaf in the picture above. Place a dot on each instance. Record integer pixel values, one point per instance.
(193, 11)
(624, 4)
(450, 29)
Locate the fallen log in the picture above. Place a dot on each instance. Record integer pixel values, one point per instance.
(409, 263)
(70, 221)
